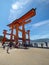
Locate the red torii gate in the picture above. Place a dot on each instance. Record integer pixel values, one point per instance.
(16, 24)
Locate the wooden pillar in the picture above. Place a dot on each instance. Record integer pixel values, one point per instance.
(4, 38)
(11, 36)
(29, 36)
(16, 37)
(23, 35)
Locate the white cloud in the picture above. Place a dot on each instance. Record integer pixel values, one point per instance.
(38, 24)
(17, 5)
(17, 8)
(21, 3)
(41, 23)
(14, 6)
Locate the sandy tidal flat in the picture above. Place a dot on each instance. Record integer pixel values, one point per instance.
(31, 56)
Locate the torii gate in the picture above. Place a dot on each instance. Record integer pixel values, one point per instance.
(16, 24)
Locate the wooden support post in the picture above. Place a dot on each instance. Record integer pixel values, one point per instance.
(4, 39)
(16, 37)
(11, 36)
(29, 36)
(23, 35)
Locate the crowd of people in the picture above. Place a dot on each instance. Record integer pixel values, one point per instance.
(19, 45)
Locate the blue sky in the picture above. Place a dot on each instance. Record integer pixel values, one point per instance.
(13, 9)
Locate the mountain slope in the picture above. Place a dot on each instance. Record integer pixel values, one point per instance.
(41, 40)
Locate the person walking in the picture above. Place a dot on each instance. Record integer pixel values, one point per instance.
(9, 46)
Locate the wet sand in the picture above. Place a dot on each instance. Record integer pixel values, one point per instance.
(31, 56)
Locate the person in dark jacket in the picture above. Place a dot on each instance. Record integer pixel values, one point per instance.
(9, 46)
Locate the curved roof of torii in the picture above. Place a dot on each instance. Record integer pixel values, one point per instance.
(25, 17)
